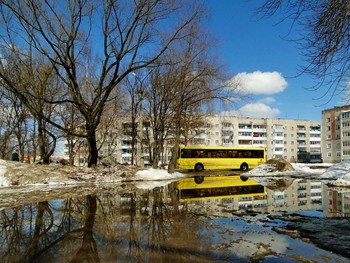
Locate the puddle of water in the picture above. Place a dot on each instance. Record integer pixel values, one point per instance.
(217, 219)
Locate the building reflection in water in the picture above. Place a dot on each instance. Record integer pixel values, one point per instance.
(240, 196)
(162, 224)
(336, 202)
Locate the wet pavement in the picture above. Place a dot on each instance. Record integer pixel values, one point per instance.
(212, 217)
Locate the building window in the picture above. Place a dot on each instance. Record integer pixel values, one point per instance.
(329, 146)
(345, 115)
(328, 128)
(328, 119)
(346, 124)
(328, 137)
(329, 154)
(346, 143)
(338, 153)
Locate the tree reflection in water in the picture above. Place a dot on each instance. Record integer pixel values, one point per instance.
(138, 226)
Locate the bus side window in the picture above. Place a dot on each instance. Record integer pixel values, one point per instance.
(186, 153)
(195, 154)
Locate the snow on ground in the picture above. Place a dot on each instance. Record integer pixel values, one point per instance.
(156, 174)
(333, 174)
(21, 174)
(3, 170)
(300, 169)
(338, 174)
(17, 173)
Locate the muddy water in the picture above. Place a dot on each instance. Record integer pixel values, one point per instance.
(203, 219)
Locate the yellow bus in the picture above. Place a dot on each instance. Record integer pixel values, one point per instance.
(200, 158)
(214, 187)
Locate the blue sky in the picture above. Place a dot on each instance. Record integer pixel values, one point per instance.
(256, 51)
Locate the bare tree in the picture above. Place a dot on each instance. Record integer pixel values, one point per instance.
(32, 78)
(14, 131)
(195, 81)
(326, 41)
(123, 36)
(159, 96)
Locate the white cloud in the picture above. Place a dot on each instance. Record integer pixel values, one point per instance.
(260, 82)
(267, 100)
(254, 110)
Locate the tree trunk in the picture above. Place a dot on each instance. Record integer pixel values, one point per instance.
(44, 156)
(175, 153)
(93, 151)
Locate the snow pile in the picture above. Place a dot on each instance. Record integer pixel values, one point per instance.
(338, 173)
(3, 170)
(299, 170)
(155, 175)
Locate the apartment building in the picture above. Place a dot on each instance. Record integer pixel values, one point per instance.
(282, 138)
(336, 134)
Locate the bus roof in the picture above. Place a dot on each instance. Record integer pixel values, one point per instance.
(221, 148)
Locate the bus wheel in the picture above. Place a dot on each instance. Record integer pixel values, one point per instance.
(244, 178)
(244, 167)
(198, 167)
(199, 179)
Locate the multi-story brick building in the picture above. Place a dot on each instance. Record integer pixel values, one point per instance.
(336, 134)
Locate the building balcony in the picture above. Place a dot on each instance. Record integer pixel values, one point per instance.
(259, 138)
(315, 139)
(278, 130)
(226, 137)
(227, 128)
(245, 130)
(315, 132)
(278, 152)
(278, 138)
(200, 136)
(259, 145)
(278, 145)
(227, 144)
(315, 145)
(259, 130)
(245, 137)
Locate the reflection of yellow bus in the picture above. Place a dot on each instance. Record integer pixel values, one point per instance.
(214, 187)
(199, 158)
